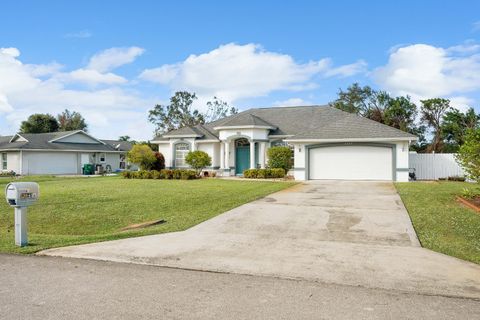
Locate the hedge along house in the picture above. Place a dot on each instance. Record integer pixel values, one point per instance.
(327, 143)
(59, 153)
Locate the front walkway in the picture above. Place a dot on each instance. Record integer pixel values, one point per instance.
(351, 233)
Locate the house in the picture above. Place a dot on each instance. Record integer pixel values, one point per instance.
(327, 143)
(60, 153)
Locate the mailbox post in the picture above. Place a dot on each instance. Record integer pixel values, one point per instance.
(21, 195)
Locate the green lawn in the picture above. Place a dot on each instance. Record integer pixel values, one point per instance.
(442, 224)
(81, 210)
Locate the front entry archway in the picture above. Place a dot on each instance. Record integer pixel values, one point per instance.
(242, 155)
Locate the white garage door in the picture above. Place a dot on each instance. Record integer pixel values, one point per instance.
(50, 163)
(351, 163)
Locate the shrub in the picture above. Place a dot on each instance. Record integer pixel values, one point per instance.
(264, 173)
(145, 174)
(7, 174)
(470, 193)
(188, 174)
(159, 163)
(456, 178)
(167, 174)
(143, 156)
(250, 173)
(468, 154)
(198, 160)
(127, 174)
(280, 157)
(277, 173)
(156, 174)
(162, 174)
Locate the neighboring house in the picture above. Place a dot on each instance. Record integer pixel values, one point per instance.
(59, 153)
(327, 143)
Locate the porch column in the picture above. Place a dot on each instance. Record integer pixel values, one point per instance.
(227, 156)
(252, 154)
(222, 155)
(261, 156)
(194, 145)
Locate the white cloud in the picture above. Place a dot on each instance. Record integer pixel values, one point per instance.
(90, 76)
(423, 71)
(348, 70)
(461, 103)
(292, 102)
(113, 58)
(234, 72)
(111, 111)
(4, 105)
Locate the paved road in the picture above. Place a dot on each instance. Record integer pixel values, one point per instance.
(341, 232)
(60, 288)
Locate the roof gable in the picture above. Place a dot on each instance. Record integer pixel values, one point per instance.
(245, 120)
(76, 137)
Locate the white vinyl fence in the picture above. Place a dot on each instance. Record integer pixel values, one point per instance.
(433, 166)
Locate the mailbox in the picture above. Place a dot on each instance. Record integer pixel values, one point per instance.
(22, 194)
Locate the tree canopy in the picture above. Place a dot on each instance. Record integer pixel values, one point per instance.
(39, 123)
(435, 120)
(180, 112)
(432, 112)
(71, 120)
(44, 123)
(469, 154)
(142, 156)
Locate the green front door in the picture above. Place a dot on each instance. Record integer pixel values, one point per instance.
(242, 159)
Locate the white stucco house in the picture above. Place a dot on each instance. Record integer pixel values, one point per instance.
(59, 153)
(328, 143)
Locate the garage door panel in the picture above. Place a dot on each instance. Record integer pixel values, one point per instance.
(351, 163)
(51, 163)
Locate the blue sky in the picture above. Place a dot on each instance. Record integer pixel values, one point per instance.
(114, 60)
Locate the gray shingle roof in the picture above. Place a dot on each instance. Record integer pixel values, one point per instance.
(41, 141)
(244, 119)
(308, 122)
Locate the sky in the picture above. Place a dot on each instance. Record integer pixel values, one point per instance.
(112, 61)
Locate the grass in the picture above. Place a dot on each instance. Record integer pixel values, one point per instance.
(442, 224)
(82, 210)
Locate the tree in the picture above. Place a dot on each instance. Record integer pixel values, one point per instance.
(39, 123)
(280, 157)
(455, 125)
(354, 100)
(142, 156)
(432, 112)
(198, 160)
(124, 138)
(159, 163)
(218, 109)
(401, 113)
(468, 155)
(71, 120)
(177, 114)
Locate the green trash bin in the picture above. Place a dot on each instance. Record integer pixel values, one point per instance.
(88, 169)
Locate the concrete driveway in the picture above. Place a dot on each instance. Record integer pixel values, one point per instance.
(351, 233)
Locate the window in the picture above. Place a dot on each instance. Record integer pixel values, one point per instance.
(4, 161)
(181, 150)
(102, 157)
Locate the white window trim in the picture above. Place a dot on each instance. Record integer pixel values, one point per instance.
(100, 157)
(184, 152)
(4, 160)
